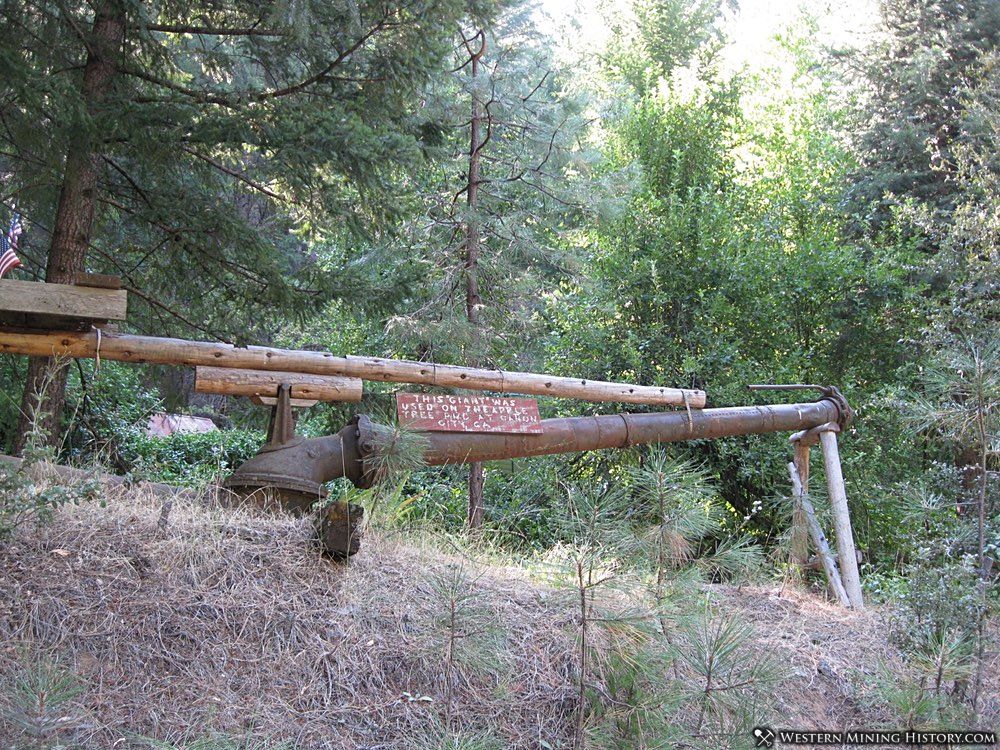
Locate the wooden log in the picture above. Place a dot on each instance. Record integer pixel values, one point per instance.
(799, 552)
(841, 518)
(163, 351)
(63, 300)
(261, 383)
(815, 563)
(819, 539)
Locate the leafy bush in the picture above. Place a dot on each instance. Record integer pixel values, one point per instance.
(108, 409)
(190, 458)
(26, 496)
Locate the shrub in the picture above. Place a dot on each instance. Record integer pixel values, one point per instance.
(190, 459)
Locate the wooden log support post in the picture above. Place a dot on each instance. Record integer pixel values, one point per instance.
(227, 381)
(819, 538)
(841, 517)
(164, 351)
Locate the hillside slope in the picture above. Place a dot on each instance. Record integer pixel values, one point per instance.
(180, 622)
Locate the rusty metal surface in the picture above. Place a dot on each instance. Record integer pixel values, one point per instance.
(308, 463)
(298, 468)
(623, 430)
(830, 392)
(300, 465)
(339, 529)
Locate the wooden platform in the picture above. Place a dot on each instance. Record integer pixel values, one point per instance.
(36, 304)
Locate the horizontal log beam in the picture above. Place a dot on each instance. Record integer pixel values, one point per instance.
(164, 351)
(228, 381)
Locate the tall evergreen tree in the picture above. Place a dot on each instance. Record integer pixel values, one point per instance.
(196, 149)
(497, 202)
(912, 83)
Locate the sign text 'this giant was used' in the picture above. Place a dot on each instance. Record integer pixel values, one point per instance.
(443, 413)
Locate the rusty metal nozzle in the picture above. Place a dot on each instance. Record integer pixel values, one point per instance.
(292, 471)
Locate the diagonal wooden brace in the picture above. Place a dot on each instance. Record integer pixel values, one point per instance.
(826, 436)
(819, 539)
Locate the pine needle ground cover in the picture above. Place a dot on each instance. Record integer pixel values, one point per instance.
(146, 625)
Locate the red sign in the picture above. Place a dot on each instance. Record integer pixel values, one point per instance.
(438, 413)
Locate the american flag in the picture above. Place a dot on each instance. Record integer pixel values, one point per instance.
(8, 244)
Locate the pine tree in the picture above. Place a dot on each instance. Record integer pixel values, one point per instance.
(198, 150)
(498, 202)
(913, 81)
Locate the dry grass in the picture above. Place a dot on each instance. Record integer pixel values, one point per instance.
(232, 623)
(222, 621)
(835, 657)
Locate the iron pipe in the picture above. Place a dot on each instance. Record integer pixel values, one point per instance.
(295, 469)
(304, 465)
(572, 434)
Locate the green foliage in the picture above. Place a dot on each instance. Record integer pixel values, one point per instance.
(109, 408)
(39, 704)
(467, 638)
(218, 741)
(310, 179)
(911, 114)
(687, 528)
(729, 267)
(961, 394)
(530, 191)
(249, 151)
(27, 491)
(644, 701)
(191, 459)
(918, 703)
(26, 495)
(732, 684)
(678, 499)
(666, 36)
(440, 738)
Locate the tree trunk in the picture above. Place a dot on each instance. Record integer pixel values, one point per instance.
(477, 477)
(74, 214)
(473, 300)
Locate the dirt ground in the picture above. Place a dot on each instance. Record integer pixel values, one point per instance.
(174, 620)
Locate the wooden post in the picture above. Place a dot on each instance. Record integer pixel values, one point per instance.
(799, 552)
(841, 517)
(819, 539)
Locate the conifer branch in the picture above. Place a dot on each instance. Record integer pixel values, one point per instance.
(216, 335)
(135, 186)
(261, 96)
(211, 30)
(360, 42)
(233, 173)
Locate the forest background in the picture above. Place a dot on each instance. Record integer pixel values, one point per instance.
(464, 183)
